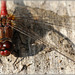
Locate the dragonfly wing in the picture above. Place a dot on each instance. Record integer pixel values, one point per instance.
(38, 27)
(42, 14)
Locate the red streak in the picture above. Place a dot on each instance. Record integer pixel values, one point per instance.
(3, 8)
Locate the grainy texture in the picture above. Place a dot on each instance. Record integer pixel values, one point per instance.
(53, 21)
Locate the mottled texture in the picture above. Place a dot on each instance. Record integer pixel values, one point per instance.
(53, 23)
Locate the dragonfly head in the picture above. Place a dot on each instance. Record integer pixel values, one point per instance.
(5, 48)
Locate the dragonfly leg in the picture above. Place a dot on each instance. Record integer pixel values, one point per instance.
(14, 64)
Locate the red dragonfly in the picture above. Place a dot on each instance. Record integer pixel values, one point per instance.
(33, 27)
(5, 31)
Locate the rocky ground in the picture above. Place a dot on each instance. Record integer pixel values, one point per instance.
(43, 39)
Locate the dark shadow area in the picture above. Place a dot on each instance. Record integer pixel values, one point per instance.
(41, 26)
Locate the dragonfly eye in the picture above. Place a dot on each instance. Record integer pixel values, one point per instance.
(5, 53)
(7, 45)
(5, 48)
(2, 53)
